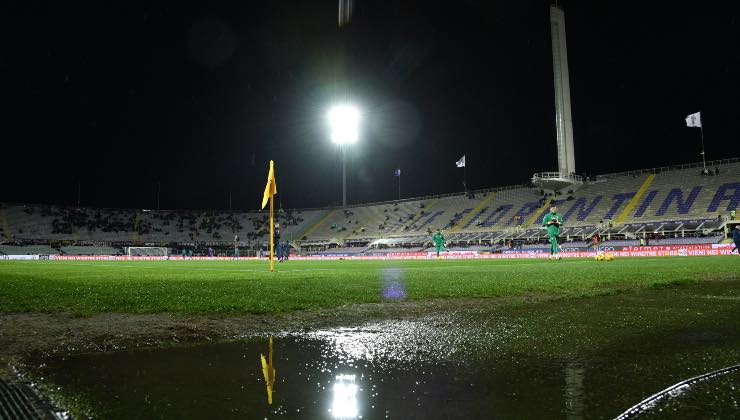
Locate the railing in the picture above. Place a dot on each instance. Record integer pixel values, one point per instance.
(531, 233)
(660, 169)
(556, 175)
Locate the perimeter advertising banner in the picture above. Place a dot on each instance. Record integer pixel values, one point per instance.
(627, 251)
(697, 250)
(19, 257)
(108, 257)
(406, 254)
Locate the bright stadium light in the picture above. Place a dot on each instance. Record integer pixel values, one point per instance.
(343, 122)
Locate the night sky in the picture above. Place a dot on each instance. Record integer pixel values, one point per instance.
(119, 96)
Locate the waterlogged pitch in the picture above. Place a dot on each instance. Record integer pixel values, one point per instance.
(517, 338)
(212, 287)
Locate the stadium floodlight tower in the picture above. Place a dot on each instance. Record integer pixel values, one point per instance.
(566, 174)
(344, 121)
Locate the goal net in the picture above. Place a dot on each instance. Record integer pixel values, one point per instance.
(146, 251)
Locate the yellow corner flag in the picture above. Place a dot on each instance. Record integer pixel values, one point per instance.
(271, 187)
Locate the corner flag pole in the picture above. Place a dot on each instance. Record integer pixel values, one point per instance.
(272, 233)
(270, 191)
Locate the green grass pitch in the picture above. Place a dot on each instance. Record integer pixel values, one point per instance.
(242, 287)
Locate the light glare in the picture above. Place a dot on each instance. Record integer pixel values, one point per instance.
(344, 405)
(344, 121)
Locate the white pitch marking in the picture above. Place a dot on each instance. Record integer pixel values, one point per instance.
(481, 267)
(197, 269)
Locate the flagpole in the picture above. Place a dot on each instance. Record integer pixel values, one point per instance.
(465, 176)
(272, 235)
(399, 185)
(703, 155)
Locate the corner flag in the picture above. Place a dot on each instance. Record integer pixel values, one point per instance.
(461, 163)
(271, 187)
(269, 195)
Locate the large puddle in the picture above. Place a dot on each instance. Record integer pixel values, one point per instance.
(582, 358)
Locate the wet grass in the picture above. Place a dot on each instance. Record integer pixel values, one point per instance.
(235, 287)
(579, 358)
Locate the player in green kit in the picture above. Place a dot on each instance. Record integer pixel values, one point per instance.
(439, 241)
(552, 222)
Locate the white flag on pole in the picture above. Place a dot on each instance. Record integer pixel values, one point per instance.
(694, 120)
(461, 163)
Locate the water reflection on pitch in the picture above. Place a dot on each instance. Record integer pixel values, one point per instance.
(517, 362)
(344, 398)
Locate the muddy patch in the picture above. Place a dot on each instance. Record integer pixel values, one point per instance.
(27, 334)
(575, 358)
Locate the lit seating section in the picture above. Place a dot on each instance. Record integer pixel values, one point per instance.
(713, 239)
(684, 194)
(675, 200)
(89, 250)
(366, 221)
(150, 252)
(28, 250)
(672, 195)
(427, 222)
(339, 251)
(34, 222)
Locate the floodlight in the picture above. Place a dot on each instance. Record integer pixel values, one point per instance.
(344, 121)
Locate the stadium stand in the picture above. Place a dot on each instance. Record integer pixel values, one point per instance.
(151, 252)
(672, 204)
(685, 241)
(32, 222)
(339, 251)
(89, 250)
(28, 250)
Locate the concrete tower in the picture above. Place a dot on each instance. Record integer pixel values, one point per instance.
(563, 119)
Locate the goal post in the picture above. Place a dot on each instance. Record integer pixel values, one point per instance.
(147, 251)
